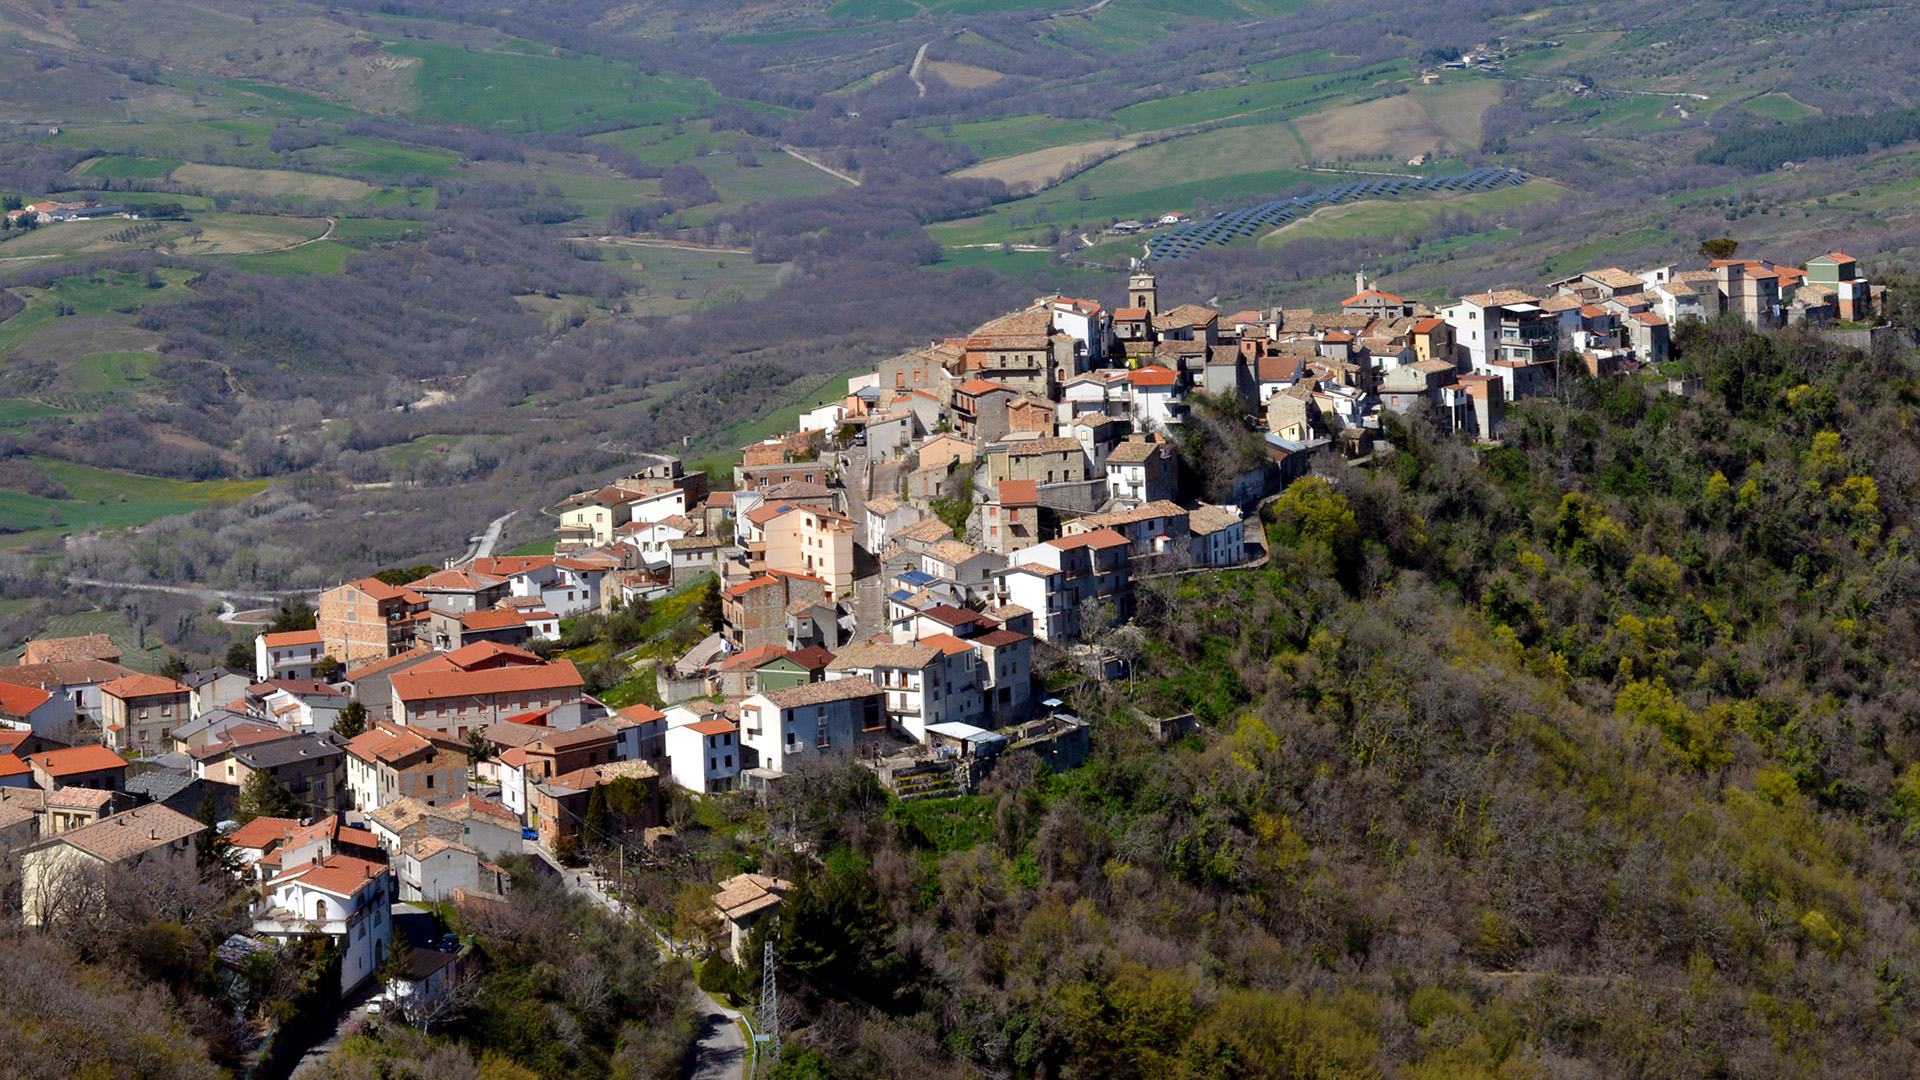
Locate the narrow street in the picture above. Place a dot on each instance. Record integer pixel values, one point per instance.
(720, 1053)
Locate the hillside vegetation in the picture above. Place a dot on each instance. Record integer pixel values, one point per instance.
(1586, 756)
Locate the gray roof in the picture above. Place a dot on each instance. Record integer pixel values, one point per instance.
(287, 751)
(211, 720)
(160, 784)
(197, 679)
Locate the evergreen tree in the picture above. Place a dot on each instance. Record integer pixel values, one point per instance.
(352, 721)
(239, 655)
(261, 796)
(711, 612)
(478, 748)
(211, 849)
(293, 617)
(599, 823)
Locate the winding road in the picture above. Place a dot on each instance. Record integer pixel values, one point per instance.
(484, 546)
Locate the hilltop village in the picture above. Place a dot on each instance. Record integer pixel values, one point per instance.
(893, 580)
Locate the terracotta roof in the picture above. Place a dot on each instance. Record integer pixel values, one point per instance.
(813, 657)
(341, 875)
(927, 530)
(466, 657)
(1500, 296)
(386, 745)
(13, 766)
(76, 760)
(17, 700)
(952, 551)
(1130, 314)
(1206, 520)
(753, 658)
(491, 619)
(124, 835)
(1589, 311)
(416, 685)
(866, 655)
(79, 798)
(297, 687)
(1185, 315)
(455, 581)
(715, 726)
(262, 832)
(1371, 294)
(468, 805)
(1153, 376)
(977, 387)
(820, 693)
(1649, 318)
(430, 846)
(1158, 508)
(1131, 452)
(375, 667)
(1098, 538)
(1020, 492)
(64, 673)
(292, 637)
(82, 647)
(1031, 447)
(947, 644)
(749, 894)
(1615, 278)
(380, 590)
(136, 686)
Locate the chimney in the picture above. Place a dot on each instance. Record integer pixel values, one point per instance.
(1359, 281)
(153, 833)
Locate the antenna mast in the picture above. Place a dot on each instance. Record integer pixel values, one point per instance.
(769, 1004)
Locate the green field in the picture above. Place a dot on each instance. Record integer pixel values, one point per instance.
(1011, 135)
(1404, 218)
(290, 102)
(1624, 243)
(106, 499)
(873, 10)
(14, 411)
(99, 294)
(420, 449)
(722, 447)
(1277, 94)
(324, 257)
(137, 651)
(124, 167)
(541, 92)
(1064, 207)
(677, 279)
(1781, 107)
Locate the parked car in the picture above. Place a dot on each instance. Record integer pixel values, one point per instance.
(528, 832)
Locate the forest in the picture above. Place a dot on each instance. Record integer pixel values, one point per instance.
(1591, 755)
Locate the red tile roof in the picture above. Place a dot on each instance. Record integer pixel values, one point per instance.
(417, 685)
(1019, 493)
(492, 619)
(21, 700)
(133, 686)
(292, 637)
(262, 832)
(75, 760)
(719, 725)
(342, 875)
(1153, 376)
(1373, 294)
(374, 667)
(1098, 538)
(13, 766)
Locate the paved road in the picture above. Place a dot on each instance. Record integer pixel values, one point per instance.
(484, 546)
(721, 1051)
(198, 591)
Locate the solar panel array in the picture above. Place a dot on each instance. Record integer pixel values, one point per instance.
(1180, 240)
